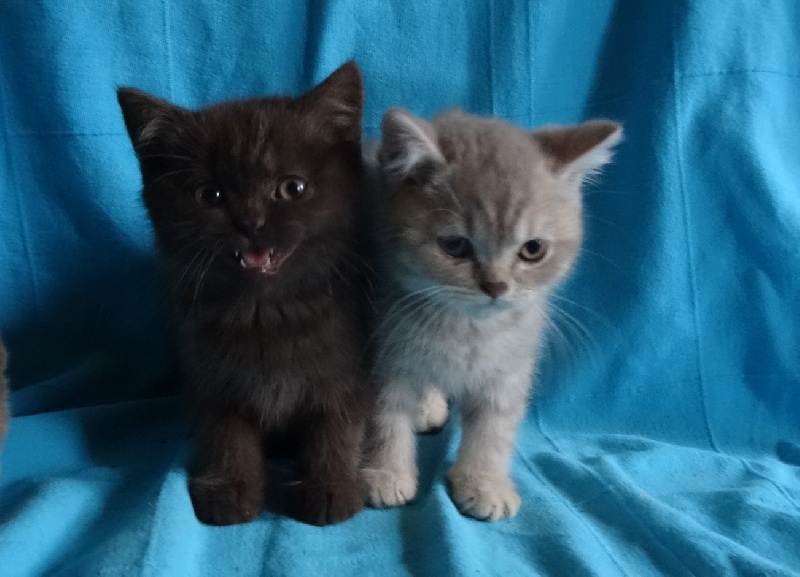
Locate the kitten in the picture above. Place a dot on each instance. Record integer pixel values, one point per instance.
(253, 204)
(481, 220)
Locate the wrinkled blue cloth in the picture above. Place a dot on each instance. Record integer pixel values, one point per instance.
(664, 434)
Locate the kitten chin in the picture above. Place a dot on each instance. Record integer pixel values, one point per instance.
(252, 204)
(480, 221)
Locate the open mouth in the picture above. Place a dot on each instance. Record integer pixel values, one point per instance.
(263, 261)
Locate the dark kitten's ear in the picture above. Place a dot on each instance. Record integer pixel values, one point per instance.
(408, 148)
(339, 101)
(147, 117)
(580, 151)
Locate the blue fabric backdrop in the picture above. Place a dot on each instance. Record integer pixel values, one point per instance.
(663, 436)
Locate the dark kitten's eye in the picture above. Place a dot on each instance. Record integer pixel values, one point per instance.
(455, 246)
(290, 188)
(208, 196)
(533, 250)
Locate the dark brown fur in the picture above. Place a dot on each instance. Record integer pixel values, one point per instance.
(264, 353)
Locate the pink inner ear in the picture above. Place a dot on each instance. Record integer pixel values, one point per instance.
(567, 144)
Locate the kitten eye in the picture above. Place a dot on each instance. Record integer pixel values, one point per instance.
(533, 250)
(208, 196)
(455, 246)
(290, 188)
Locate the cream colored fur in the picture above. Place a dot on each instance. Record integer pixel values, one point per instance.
(440, 336)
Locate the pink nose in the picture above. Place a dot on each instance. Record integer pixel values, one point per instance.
(494, 289)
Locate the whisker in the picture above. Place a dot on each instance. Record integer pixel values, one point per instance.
(585, 338)
(214, 253)
(185, 276)
(562, 342)
(402, 309)
(416, 322)
(169, 174)
(600, 256)
(170, 156)
(593, 190)
(597, 315)
(603, 221)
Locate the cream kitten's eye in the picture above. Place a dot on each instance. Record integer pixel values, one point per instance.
(290, 188)
(533, 250)
(208, 196)
(455, 246)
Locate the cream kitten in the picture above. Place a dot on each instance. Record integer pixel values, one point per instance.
(480, 221)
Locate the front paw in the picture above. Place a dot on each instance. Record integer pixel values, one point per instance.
(324, 503)
(482, 497)
(432, 412)
(387, 488)
(220, 501)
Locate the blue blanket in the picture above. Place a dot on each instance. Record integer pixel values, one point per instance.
(664, 434)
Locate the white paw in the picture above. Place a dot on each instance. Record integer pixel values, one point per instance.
(485, 498)
(432, 412)
(389, 488)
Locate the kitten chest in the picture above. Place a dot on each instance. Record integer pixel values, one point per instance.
(456, 353)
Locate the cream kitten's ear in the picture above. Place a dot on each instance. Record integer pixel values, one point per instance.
(408, 148)
(578, 152)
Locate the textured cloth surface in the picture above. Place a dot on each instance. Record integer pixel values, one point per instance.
(664, 434)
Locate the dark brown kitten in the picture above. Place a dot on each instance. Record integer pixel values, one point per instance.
(253, 208)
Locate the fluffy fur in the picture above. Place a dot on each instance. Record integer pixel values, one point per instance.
(480, 221)
(253, 205)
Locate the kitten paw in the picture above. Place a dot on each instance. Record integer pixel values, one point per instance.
(432, 412)
(485, 498)
(319, 503)
(390, 488)
(226, 501)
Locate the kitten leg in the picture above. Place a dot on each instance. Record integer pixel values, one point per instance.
(228, 482)
(479, 481)
(391, 471)
(432, 412)
(330, 487)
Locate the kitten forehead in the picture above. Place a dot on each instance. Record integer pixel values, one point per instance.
(263, 140)
(501, 178)
(477, 142)
(498, 227)
(249, 134)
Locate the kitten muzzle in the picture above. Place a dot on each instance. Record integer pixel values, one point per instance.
(263, 260)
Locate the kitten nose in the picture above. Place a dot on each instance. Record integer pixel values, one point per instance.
(494, 288)
(251, 226)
